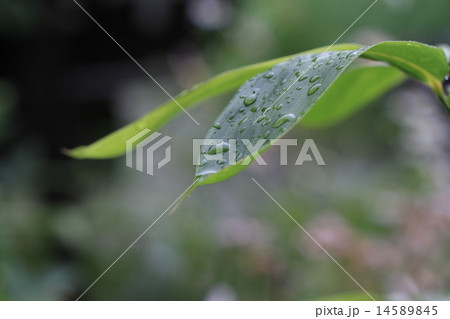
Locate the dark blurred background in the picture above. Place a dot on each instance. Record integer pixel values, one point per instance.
(381, 206)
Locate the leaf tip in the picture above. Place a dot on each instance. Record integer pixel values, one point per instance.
(65, 151)
(74, 153)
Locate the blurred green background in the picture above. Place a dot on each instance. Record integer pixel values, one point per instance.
(381, 206)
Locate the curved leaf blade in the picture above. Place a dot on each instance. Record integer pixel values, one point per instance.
(421, 61)
(282, 96)
(114, 144)
(281, 99)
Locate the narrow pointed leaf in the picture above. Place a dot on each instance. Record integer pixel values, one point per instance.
(271, 103)
(114, 144)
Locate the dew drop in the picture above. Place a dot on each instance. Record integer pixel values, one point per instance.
(314, 79)
(268, 75)
(279, 106)
(340, 67)
(254, 109)
(313, 89)
(266, 135)
(298, 88)
(219, 148)
(217, 126)
(304, 77)
(242, 121)
(285, 118)
(221, 162)
(249, 100)
(260, 119)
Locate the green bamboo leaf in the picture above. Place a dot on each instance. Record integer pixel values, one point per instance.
(114, 144)
(270, 104)
(341, 101)
(423, 62)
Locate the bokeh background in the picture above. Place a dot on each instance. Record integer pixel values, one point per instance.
(381, 206)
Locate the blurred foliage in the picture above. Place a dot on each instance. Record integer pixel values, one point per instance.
(380, 206)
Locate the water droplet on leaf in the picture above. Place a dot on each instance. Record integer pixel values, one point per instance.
(249, 100)
(242, 121)
(268, 74)
(285, 118)
(313, 89)
(219, 148)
